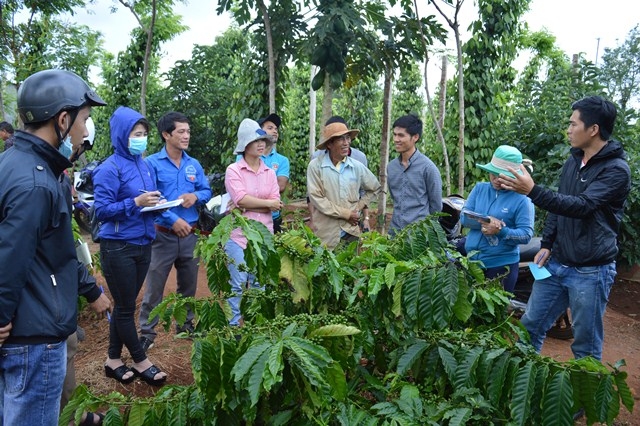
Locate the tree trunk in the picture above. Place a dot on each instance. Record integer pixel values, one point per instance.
(456, 30)
(384, 150)
(147, 57)
(312, 114)
(271, 58)
(443, 91)
(2, 100)
(461, 164)
(439, 135)
(327, 100)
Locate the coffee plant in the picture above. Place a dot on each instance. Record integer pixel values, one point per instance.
(401, 331)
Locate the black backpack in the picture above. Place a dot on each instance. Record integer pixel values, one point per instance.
(86, 176)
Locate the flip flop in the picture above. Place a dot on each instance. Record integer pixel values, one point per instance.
(89, 419)
(149, 375)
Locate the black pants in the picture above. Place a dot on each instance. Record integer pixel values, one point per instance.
(124, 267)
(277, 224)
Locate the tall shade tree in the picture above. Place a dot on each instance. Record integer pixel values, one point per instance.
(391, 44)
(339, 21)
(158, 23)
(488, 81)
(454, 24)
(34, 38)
(621, 71)
(279, 27)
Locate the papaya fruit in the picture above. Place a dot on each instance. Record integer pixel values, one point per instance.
(318, 80)
(335, 80)
(319, 56)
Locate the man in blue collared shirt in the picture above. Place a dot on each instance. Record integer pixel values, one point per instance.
(177, 175)
(277, 162)
(414, 180)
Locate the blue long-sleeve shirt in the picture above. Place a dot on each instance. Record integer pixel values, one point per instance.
(118, 181)
(517, 213)
(173, 181)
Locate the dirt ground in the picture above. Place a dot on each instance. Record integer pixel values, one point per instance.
(622, 341)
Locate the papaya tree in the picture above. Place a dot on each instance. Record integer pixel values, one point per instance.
(338, 23)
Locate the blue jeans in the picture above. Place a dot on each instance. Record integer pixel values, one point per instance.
(124, 266)
(585, 290)
(31, 378)
(239, 280)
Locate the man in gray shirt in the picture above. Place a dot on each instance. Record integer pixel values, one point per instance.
(414, 180)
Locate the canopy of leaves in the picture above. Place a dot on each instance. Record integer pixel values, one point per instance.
(45, 41)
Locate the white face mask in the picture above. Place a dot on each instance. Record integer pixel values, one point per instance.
(66, 148)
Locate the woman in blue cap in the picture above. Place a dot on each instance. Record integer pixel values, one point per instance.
(498, 220)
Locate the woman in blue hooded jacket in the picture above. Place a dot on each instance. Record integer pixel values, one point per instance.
(122, 187)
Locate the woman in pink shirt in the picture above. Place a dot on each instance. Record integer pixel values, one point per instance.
(253, 187)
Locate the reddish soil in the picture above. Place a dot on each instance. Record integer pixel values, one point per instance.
(622, 341)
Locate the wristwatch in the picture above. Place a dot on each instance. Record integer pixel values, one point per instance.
(366, 218)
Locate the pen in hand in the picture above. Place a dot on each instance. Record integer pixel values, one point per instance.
(144, 191)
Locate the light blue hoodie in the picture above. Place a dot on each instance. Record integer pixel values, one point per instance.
(517, 213)
(118, 180)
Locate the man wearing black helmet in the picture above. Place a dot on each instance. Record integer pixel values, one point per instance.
(38, 265)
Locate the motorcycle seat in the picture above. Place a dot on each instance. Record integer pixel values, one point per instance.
(528, 251)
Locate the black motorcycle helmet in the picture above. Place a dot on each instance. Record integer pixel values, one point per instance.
(46, 93)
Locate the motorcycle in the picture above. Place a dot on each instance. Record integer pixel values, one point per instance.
(84, 199)
(452, 206)
(82, 183)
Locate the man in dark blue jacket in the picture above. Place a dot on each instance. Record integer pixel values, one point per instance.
(38, 264)
(579, 237)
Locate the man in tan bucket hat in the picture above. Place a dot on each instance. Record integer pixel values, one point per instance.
(339, 187)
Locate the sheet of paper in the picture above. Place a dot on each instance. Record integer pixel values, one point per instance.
(224, 203)
(539, 273)
(163, 206)
(215, 201)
